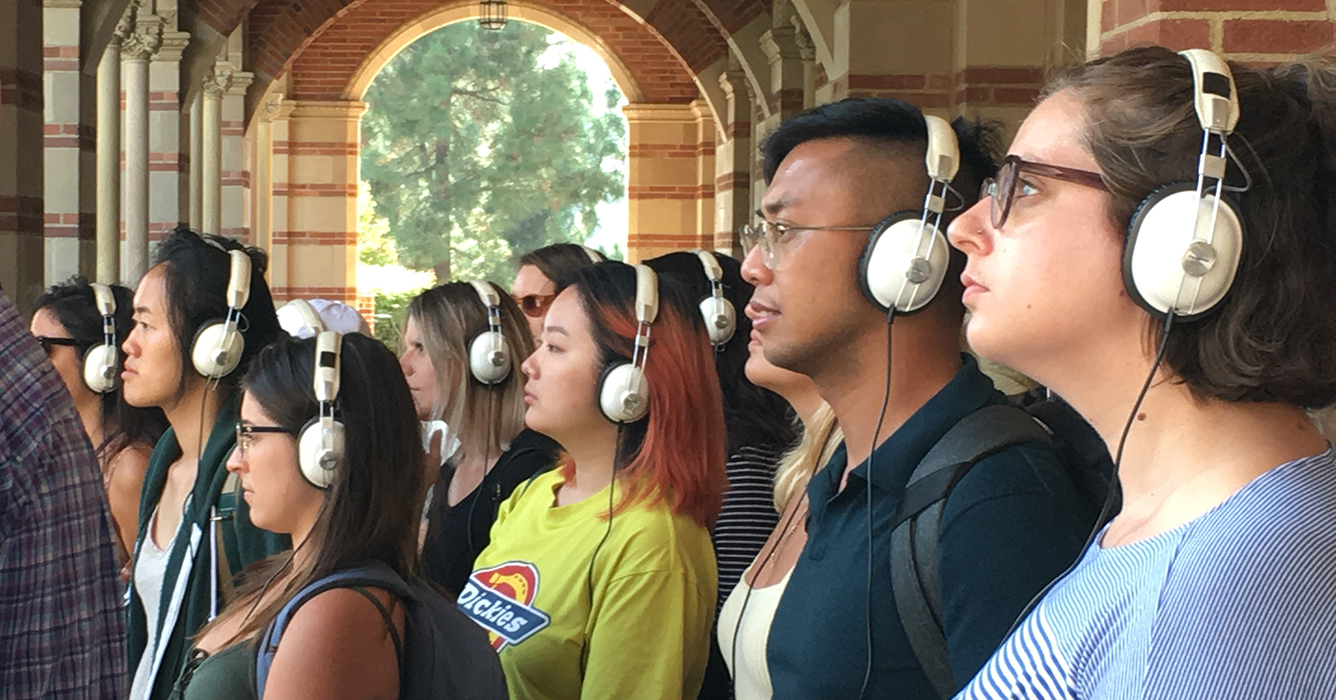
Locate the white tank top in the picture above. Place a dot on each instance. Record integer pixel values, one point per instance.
(751, 678)
(149, 571)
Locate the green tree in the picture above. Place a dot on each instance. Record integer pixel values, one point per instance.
(374, 245)
(479, 145)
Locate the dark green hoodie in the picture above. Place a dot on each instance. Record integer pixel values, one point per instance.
(244, 543)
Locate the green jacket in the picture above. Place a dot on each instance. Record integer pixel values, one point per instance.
(244, 544)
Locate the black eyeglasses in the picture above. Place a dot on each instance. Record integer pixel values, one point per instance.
(49, 342)
(534, 305)
(1002, 189)
(246, 434)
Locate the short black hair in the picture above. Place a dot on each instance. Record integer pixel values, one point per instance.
(894, 124)
(882, 122)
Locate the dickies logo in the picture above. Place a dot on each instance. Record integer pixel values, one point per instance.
(500, 598)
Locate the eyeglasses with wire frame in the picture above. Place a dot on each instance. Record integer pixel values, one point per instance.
(772, 236)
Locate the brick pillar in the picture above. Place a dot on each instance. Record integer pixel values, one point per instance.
(1245, 30)
(169, 151)
(662, 186)
(70, 179)
(235, 176)
(705, 131)
(894, 49)
(732, 162)
(314, 244)
(21, 150)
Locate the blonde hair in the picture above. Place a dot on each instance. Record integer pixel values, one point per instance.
(449, 317)
(820, 438)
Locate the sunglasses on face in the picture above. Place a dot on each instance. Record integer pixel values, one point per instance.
(48, 343)
(1001, 190)
(535, 305)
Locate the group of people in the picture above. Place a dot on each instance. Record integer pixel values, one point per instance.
(699, 477)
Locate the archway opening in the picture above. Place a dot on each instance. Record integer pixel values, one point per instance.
(480, 145)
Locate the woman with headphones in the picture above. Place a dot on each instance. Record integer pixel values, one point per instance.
(1158, 250)
(600, 581)
(82, 326)
(464, 342)
(328, 454)
(757, 422)
(540, 269)
(200, 314)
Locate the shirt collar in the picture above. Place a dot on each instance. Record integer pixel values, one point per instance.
(899, 454)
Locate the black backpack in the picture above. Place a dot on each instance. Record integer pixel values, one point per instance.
(446, 654)
(915, 578)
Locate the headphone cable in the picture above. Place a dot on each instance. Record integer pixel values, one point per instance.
(876, 436)
(1105, 511)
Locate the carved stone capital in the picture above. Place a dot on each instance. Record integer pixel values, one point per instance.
(781, 44)
(736, 86)
(144, 42)
(218, 81)
(173, 45)
(241, 82)
(124, 27)
(804, 40)
(275, 108)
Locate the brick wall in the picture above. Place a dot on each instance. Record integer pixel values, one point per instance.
(1258, 31)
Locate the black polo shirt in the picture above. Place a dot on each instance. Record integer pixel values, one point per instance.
(1013, 523)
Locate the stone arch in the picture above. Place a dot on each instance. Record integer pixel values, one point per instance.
(467, 10)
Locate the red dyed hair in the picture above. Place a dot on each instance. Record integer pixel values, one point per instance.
(677, 452)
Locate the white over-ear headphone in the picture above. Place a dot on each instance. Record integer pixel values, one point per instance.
(623, 390)
(907, 255)
(721, 319)
(489, 354)
(101, 361)
(218, 344)
(1185, 239)
(320, 444)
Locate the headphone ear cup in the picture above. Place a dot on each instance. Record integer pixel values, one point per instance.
(318, 467)
(215, 353)
(623, 393)
(1160, 248)
(721, 320)
(890, 264)
(99, 368)
(489, 358)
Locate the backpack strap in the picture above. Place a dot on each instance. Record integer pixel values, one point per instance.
(915, 578)
(376, 575)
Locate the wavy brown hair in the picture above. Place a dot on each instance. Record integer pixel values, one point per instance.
(1274, 338)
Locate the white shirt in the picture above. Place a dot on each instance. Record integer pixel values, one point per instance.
(751, 678)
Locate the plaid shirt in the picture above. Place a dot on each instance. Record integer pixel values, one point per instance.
(61, 626)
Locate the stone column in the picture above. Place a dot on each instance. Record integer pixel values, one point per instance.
(195, 197)
(234, 177)
(169, 198)
(788, 74)
(662, 180)
(262, 190)
(314, 246)
(21, 141)
(211, 150)
(705, 132)
(109, 157)
(732, 162)
(69, 179)
(136, 52)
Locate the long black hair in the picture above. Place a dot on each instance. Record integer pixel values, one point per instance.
(753, 416)
(372, 509)
(74, 305)
(196, 270)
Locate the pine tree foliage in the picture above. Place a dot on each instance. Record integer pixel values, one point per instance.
(480, 145)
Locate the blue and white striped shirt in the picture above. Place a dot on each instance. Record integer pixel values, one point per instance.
(1239, 603)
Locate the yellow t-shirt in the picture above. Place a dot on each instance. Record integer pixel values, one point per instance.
(647, 633)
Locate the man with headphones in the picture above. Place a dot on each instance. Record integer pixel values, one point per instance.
(852, 239)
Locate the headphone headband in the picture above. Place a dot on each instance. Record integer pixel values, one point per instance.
(647, 295)
(594, 256)
(943, 157)
(1214, 96)
(238, 283)
(106, 301)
